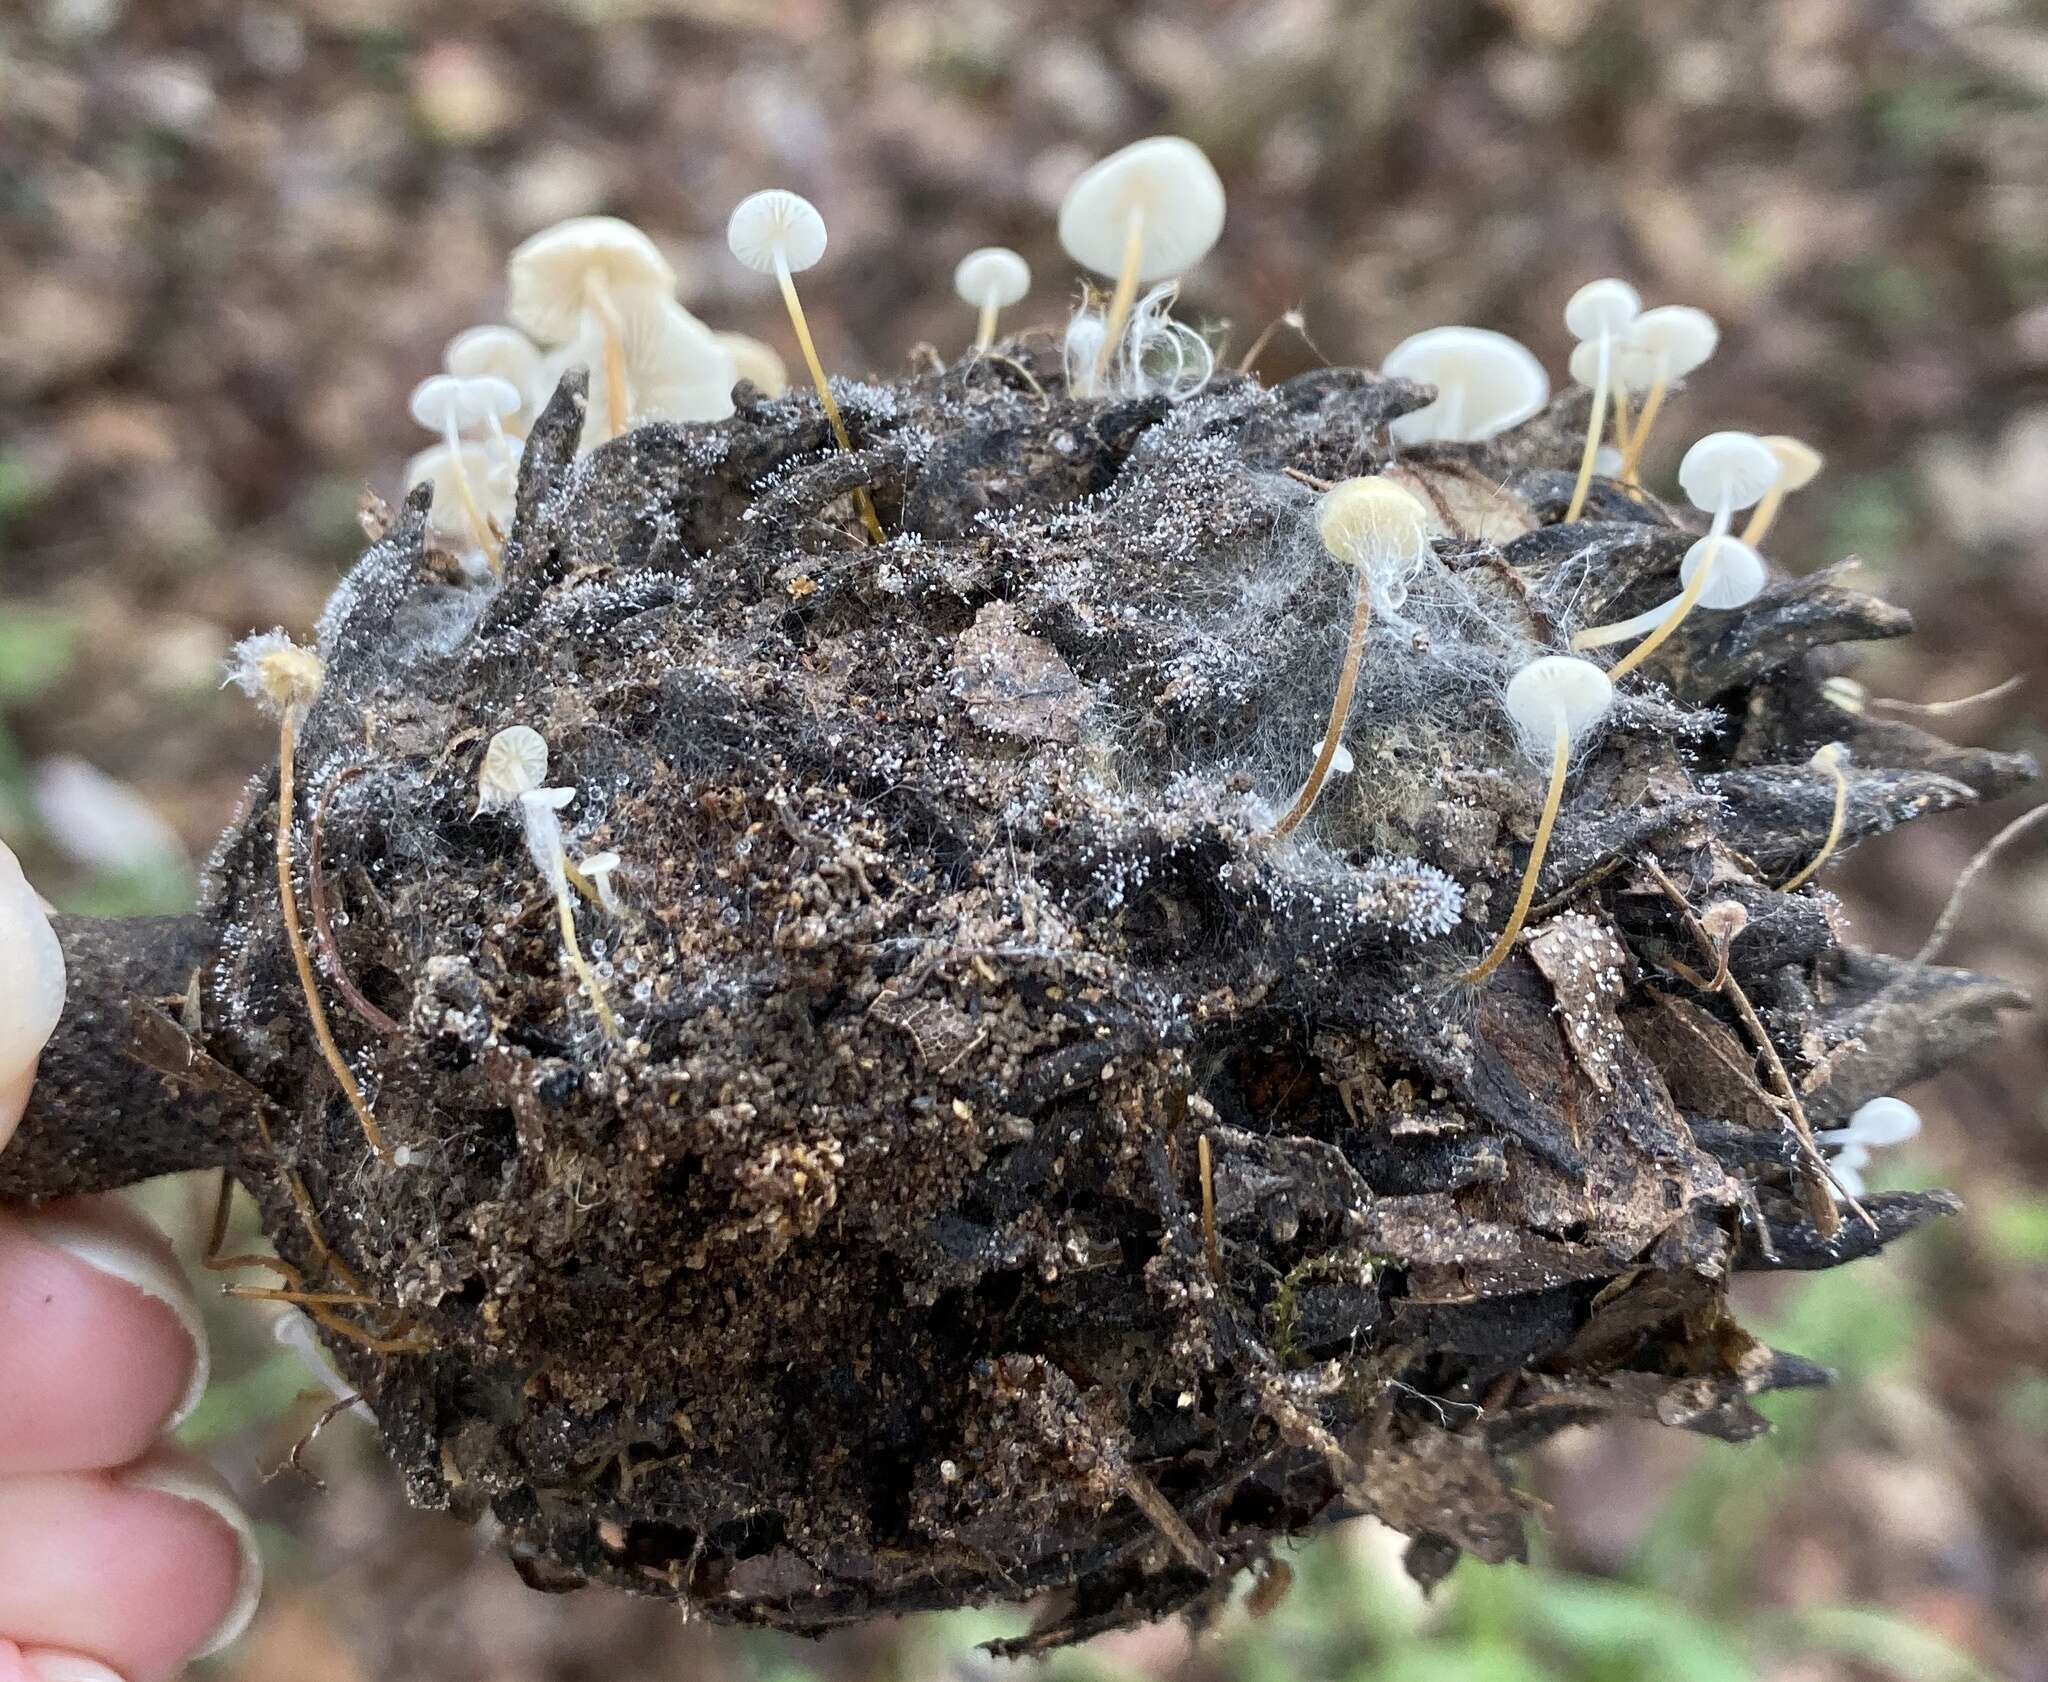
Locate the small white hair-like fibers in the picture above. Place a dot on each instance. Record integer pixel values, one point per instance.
(1413, 898)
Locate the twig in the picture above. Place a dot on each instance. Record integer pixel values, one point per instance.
(295, 1461)
(1944, 925)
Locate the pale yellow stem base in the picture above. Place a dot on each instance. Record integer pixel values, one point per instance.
(1560, 762)
(1340, 710)
(862, 502)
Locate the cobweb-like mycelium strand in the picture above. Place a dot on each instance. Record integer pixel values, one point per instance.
(1148, 212)
(1799, 464)
(589, 271)
(1554, 700)
(1381, 533)
(1485, 383)
(990, 280)
(1597, 315)
(1663, 346)
(781, 233)
(1721, 474)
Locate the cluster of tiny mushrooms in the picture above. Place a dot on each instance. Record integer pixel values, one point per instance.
(595, 291)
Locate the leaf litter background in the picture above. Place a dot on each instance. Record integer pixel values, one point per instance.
(232, 236)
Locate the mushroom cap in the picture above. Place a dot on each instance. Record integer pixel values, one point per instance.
(1601, 306)
(676, 369)
(1882, 1121)
(513, 764)
(1179, 192)
(1727, 470)
(1556, 688)
(439, 404)
(756, 363)
(1799, 463)
(1501, 382)
(1374, 525)
(503, 352)
(993, 275)
(550, 274)
(31, 973)
(1672, 339)
(490, 395)
(1738, 577)
(599, 864)
(776, 220)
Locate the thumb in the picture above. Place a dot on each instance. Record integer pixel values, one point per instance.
(31, 988)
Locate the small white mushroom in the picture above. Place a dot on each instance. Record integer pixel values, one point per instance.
(589, 269)
(1877, 1123)
(1721, 474)
(598, 870)
(1663, 347)
(515, 762)
(1381, 533)
(1553, 701)
(673, 367)
(1799, 464)
(1485, 383)
(781, 233)
(991, 279)
(504, 353)
(1597, 315)
(472, 485)
(1148, 212)
(450, 406)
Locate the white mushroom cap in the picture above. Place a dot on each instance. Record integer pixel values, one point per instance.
(504, 352)
(31, 977)
(1600, 306)
(1171, 182)
(1486, 382)
(1739, 573)
(513, 764)
(1882, 1121)
(1672, 339)
(756, 363)
(675, 368)
(439, 404)
(1556, 688)
(1374, 525)
(1799, 463)
(490, 397)
(993, 275)
(776, 220)
(1727, 470)
(552, 274)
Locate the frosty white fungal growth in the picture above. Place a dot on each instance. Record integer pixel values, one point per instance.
(1485, 383)
(781, 233)
(1381, 532)
(1413, 898)
(1799, 464)
(755, 363)
(1596, 315)
(1553, 700)
(1162, 356)
(991, 280)
(1721, 474)
(275, 672)
(1663, 346)
(514, 763)
(1149, 212)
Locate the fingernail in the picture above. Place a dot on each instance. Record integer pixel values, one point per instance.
(193, 1483)
(31, 975)
(150, 1272)
(46, 1666)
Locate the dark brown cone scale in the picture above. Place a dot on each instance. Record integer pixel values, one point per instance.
(866, 1271)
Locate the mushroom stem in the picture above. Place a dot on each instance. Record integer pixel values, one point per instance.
(1830, 760)
(565, 915)
(1595, 424)
(1621, 418)
(617, 410)
(302, 961)
(861, 500)
(1560, 762)
(985, 330)
(479, 522)
(1688, 599)
(1765, 513)
(1126, 292)
(1632, 457)
(1340, 710)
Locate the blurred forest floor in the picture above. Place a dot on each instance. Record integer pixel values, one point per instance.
(233, 235)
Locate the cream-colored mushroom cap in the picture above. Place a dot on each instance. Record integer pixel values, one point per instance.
(553, 274)
(1486, 382)
(1601, 306)
(1727, 470)
(1671, 340)
(675, 369)
(776, 221)
(1175, 188)
(1799, 463)
(504, 353)
(1373, 524)
(756, 363)
(1557, 689)
(993, 275)
(515, 763)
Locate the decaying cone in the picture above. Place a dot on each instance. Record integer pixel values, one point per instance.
(1015, 1173)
